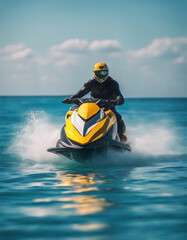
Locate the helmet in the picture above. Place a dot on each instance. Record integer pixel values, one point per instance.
(101, 72)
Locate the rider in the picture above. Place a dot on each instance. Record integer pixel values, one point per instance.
(102, 86)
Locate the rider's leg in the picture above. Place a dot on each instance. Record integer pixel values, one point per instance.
(121, 127)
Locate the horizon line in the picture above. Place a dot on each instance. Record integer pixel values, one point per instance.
(71, 94)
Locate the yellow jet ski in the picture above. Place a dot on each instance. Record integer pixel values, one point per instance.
(90, 129)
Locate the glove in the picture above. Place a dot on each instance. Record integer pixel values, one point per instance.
(67, 100)
(119, 100)
(102, 102)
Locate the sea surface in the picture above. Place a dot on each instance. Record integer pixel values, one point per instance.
(121, 196)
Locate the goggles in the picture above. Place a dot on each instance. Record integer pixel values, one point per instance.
(101, 74)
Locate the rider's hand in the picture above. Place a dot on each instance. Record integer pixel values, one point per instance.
(119, 100)
(103, 101)
(67, 100)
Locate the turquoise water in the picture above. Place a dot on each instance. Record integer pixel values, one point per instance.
(138, 195)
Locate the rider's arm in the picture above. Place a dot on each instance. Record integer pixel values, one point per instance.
(84, 90)
(119, 97)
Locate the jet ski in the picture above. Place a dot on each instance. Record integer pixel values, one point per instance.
(90, 129)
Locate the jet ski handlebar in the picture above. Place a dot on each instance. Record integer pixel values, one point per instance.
(105, 102)
(99, 102)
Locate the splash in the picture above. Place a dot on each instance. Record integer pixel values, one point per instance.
(151, 143)
(153, 139)
(39, 133)
(35, 136)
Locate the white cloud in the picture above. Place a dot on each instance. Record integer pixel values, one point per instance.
(68, 59)
(71, 45)
(14, 52)
(71, 51)
(11, 48)
(105, 45)
(159, 69)
(42, 61)
(67, 53)
(180, 60)
(163, 47)
(20, 54)
(44, 78)
(81, 45)
(165, 76)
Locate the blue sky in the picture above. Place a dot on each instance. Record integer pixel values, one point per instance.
(50, 47)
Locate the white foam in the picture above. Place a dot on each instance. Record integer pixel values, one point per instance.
(153, 139)
(39, 133)
(149, 142)
(35, 136)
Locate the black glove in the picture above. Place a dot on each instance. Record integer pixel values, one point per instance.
(101, 102)
(67, 100)
(119, 100)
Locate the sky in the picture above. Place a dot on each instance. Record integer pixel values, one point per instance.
(49, 47)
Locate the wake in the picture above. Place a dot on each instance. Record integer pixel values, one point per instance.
(35, 136)
(148, 142)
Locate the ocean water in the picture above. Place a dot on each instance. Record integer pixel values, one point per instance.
(137, 195)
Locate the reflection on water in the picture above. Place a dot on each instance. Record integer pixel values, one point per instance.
(86, 204)
(89, 227)
(82, 189)
(79, 183)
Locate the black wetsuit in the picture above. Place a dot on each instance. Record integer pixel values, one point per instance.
(109, 89)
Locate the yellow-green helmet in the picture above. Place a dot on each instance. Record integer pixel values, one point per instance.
(101, 72)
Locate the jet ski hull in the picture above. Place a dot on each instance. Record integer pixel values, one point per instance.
(90, 151)
(89, 131)
(74, 154)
